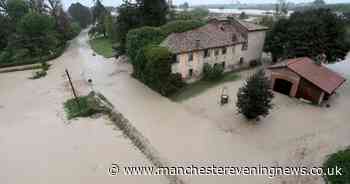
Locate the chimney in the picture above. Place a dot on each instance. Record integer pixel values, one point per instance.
(197, 43)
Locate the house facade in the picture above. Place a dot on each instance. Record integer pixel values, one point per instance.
(230, 43)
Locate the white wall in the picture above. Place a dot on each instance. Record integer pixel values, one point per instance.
(231, 58)
(256, 42)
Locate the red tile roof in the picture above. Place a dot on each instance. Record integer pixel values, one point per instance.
(211, 35)
(319, 75)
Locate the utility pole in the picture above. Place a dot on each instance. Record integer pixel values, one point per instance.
(72, 87)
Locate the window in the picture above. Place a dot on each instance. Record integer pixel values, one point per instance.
(241, 60)
(190, 57)
(206, 53)
(175, 59)
(224, 50)
(217, 51)
(245, 45)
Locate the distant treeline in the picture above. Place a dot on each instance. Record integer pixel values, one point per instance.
(341, 7)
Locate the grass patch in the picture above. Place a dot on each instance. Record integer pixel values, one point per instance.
(340, 159)
(194, 89)
(84, 106)
(42, 73)
(102, 46)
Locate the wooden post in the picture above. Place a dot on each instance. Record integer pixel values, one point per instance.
(71, 84)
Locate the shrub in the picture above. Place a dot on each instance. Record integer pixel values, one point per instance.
(341, 160)
(157, 71)
(179, 26)
(141, 37)
(254, 98)
(43, 72)
(5, 57)
(39, 74)
(74, 30)
(83, 106)
(212, 72)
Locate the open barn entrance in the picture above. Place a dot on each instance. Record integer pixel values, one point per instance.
(282, 86)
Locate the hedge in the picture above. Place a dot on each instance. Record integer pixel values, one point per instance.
(138, 38)
(29, 61)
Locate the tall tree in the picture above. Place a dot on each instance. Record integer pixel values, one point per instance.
(153, 12)
(16, 9)
(309, 33)
(254, 99)
(98, 12)
(35, 33)
(141, 13)
(5, 31)
(80, 14)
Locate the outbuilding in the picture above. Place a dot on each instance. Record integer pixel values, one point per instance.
(304, 78)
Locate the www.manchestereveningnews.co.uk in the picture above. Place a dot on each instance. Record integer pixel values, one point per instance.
(213, 170)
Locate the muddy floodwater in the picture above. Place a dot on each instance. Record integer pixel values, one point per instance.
(39, 145)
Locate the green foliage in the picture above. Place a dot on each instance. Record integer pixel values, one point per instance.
(16, 9)
(254, 98)
(135, 15)
(74, 30)
(102, 46)
(139, 65)
(212, 73)
(152, 12)
(157, 70)
(341, 160)
(32, 31)
(152, 66)
(36, 34)
(179, 26)
(98, 11)
(5, 31)
(43, 72)
(34, 24)
(80, 14)
(84, 106)
(141, 37)
(108, 24)
(267, 21)
(308, 33)
(39, 74)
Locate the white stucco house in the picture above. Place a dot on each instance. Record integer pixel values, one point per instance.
(229, 42)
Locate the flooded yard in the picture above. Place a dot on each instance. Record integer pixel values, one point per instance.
(294, 133)
(38, 144)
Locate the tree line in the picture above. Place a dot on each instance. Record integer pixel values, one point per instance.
(33, 30)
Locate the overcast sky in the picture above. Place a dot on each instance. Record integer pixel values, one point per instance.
(194, 2)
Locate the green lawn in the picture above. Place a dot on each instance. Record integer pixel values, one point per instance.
(102, 46)
(200, 86)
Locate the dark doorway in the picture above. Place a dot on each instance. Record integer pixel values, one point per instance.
(190, 72)
(282, 86)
